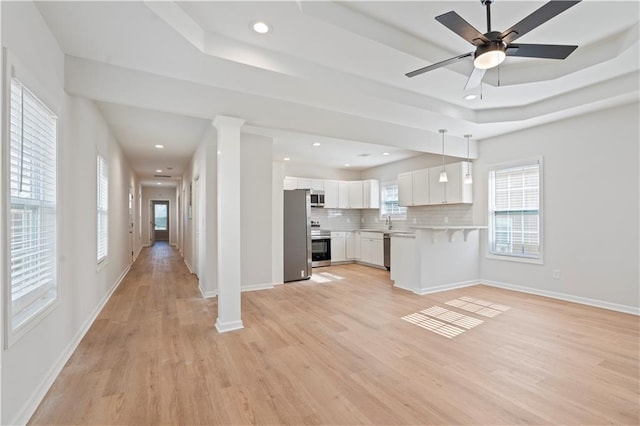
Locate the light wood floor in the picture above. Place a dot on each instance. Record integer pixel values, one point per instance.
(339, 353)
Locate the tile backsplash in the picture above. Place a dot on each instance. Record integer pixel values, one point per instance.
(459, 214)
(338, 219)
(349, 219)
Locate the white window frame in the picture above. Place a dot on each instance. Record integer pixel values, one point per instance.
(491, 229)
(401, 214)
(37, 300)
(102, 210)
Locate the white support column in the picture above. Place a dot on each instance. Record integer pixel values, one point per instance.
(228, 170)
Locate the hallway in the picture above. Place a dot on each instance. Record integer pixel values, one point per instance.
(144, 358)
(339, 350)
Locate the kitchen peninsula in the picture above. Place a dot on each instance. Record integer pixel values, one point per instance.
(437, 258)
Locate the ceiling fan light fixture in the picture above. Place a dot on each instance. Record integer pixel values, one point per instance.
(489, 55)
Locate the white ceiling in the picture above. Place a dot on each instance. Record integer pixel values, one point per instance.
(331, 72)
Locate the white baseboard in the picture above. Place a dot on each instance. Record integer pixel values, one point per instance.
(30, 406)
(188, 266)
(256, 287)
(228, 326)
(445, 287)
(207, 294)
(563, 296)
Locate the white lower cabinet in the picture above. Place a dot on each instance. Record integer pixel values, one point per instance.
(338, 247)
(372, 248)
(350, 243)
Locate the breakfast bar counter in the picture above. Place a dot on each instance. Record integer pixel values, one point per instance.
(438, 258)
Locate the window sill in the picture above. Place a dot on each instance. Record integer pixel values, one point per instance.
(518, 259)
(103, 263)
(30, 322)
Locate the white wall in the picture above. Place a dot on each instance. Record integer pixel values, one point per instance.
(31, 364)
(159, 193)
(390, 171)
(590, 207)
(256, 171)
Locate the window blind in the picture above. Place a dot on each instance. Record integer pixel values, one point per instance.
(102, 209)
(32, 193)
(515, 211)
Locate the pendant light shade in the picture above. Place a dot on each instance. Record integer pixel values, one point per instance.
(443, 174)
(467, 178)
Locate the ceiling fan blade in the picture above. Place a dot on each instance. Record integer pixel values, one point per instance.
(439, 64)
(475, 78)
(537, 18)
(458, 25)
(547, 51)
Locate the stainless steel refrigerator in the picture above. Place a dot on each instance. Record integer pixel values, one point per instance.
(297, 235)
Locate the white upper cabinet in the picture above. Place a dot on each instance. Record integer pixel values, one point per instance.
(304, 183)
(355, 194)
(454, 191)
(343, 194)
(413, 188)
(371, 194)
(317, 184)
(405, 189)
(339, 194)
(420, 180)
(331, 194)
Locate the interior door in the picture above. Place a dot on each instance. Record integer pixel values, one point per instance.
(160, 220)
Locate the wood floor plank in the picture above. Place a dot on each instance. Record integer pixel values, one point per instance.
(339, 353)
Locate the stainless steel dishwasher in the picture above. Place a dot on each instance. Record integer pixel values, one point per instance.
(387, 251)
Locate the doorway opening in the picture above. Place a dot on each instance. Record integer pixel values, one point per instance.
(159, 221)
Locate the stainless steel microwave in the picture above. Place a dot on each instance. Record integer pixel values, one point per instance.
(317, 198)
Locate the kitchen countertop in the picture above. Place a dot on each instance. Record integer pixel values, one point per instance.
(395, 232)
(449, 226)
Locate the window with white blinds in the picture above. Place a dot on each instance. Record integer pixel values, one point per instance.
(103, 210)
(389, 205)
(32, 203)
(514, 211)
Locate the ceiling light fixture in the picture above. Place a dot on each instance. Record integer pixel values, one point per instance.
(316, 144)
(469, 97)
(467, 178)
(385, 153)
(347, 165)
(260, 27)
(443, 174)
(159, 183)
(159, 146)
(489, 55)
(286, 158)
(158, 171)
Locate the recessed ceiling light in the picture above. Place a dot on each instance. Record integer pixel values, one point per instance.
(260, 27)
(316, 144)
(158, 171)
(286, 158)
(159, 183)
(385, 153)
(159, 146)
(347, 165)
(469, 97)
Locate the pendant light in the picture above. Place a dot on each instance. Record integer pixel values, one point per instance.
(467, 178)
(443, 173)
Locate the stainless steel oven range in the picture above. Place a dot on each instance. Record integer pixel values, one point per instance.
(320, 247)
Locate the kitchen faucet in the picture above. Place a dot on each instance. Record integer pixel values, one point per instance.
(388, 222)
